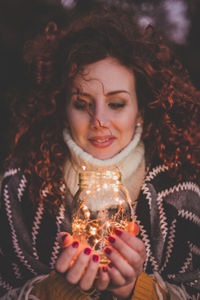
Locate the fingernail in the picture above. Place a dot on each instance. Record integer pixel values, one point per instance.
(64, 236)
(87, 251)
(136, 229)
(111, 239)
(118, 232)
(75, 244)
(108, 250)
(105, 269)
(110, 265)
(95, 258)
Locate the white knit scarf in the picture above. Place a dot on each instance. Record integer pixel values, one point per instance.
(130, 162)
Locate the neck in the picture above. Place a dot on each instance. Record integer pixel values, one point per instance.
(130, 162)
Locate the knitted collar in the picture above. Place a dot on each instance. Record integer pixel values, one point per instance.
(127, 161)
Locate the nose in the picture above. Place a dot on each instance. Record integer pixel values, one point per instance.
(99, 118)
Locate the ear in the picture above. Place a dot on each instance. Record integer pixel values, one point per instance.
(139, 120)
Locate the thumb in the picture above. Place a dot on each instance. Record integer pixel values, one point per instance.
(64, 239)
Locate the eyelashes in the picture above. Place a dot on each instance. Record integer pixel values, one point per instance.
(81, 104)
(116, 105)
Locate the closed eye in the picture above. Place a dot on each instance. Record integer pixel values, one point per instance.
(81, 104)
(115, 105)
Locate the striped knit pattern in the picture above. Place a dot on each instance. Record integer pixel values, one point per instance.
(168, 213)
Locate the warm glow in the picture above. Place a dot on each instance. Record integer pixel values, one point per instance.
(99, 214)
(93, 230)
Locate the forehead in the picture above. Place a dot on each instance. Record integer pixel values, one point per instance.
(105, 75)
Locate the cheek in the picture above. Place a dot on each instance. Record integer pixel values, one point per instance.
(77, 124)
(127, 127)
(127, 123)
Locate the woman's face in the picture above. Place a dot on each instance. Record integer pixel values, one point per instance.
(103, 109)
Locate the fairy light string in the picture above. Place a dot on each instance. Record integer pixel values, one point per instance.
(102, 204)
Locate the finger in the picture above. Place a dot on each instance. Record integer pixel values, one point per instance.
(132, 241)
(66, 257)
(64, 239)
(88, 278)
(103, 280)
(77, 270)
(134, 258)
(133, 228)
(124, 268)
(116, 278)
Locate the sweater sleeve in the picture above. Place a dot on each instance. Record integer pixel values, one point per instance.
(153, 287)
(168, 213)
(146, 288)
(18, 261)
(55, 286)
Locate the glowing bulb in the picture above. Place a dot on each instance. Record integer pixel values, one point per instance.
(119, 200)
(93, 230)
(88, 192)
(83, 167)
(105, 185)
(108, 224)
(116, 189)
(108, 174)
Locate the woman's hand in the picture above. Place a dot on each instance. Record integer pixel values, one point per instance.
(78, 262)
(127, 255)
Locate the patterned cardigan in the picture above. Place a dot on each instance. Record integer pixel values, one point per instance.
(168, 213)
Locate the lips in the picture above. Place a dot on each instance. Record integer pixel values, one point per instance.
(102, 141)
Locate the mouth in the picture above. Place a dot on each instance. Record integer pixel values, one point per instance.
(102, 141)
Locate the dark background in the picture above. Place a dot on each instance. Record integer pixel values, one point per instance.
(21, 20)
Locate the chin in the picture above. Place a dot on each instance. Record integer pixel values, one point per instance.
(103, 156)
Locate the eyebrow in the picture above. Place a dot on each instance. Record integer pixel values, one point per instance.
(108, 94)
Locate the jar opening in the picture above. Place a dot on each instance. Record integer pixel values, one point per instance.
(96, 177)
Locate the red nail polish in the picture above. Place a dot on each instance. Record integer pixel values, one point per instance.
(111, 239)
(105, 269)
(107, 250)
(87, 251)
(118, 232)
(64, 237)
(95, 258)
(110, 265)
(75, 244)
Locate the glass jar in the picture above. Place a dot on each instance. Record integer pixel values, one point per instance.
(101, 205)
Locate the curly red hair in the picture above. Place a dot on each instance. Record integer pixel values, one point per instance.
(167, 99)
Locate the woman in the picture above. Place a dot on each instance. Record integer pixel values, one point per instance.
(103, 94)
